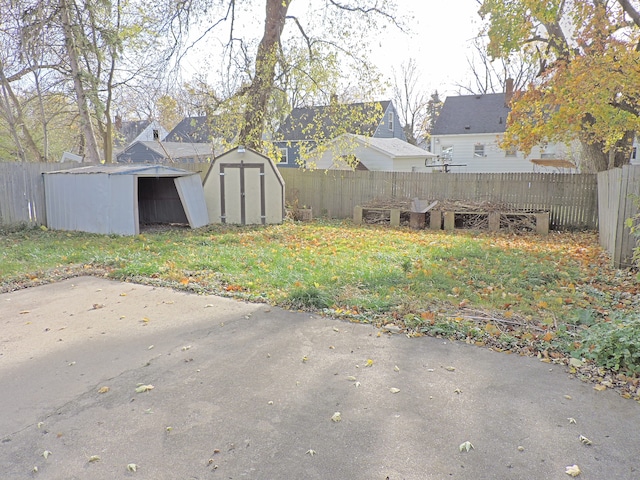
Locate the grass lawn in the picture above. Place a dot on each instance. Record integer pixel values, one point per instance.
(545, 296)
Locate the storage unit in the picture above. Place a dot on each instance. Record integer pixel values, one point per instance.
(244, 187)
(119, 199)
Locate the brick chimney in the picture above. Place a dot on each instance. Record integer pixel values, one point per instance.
(508, 91)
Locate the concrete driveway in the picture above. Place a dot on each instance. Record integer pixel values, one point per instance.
(244, 391)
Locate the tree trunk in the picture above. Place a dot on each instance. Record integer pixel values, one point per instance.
(596, 159)
(91, 145)
(259, 91)
(16, 121)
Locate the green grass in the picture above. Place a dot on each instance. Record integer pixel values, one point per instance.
(539, 291)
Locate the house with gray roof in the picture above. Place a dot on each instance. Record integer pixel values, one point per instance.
(468, 132)
(163, 152)
(205, 129)
(307, 127)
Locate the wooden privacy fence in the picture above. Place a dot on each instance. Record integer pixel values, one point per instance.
(571, 199)
(22, 191)
(618, 190)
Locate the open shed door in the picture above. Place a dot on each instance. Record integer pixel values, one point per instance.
(192, 197)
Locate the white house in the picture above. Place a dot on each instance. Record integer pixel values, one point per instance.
(374, 154)
(468, 132)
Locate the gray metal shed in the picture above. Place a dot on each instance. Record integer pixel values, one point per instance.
(244, 187)
(119, 199)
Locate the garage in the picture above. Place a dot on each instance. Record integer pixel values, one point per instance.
(123, 199)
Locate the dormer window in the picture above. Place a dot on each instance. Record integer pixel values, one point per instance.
(390, 116)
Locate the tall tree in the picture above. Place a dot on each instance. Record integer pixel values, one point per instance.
(490, 75)
(588, 87)
(411, 102)
(343, 24)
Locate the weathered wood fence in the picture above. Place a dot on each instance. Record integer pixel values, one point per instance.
(618, 191)
(22, 191)
(570, 199)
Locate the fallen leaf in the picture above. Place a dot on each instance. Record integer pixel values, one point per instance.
(46, 454)
(396, 368)
(270, 402)
(336, 417)
(572, 420)
(368, 363)
(600, 388)
(186, 347)
(573, 470)
(568, 397)
(94, 458)
(35, 469)
(450, 369)
(331, 347)
(466, 446)
(357, 384)
(305, 359)
(311, 452)
(335, 329)
(132, 467)
(144, 388)
(97, 306)
(520, 448)
(458, 391)
(40, 424)
(585, 440)
(352, 378)
(103, 389)
(24, 312)
(394, 390)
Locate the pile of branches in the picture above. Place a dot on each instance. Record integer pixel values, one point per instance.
(476, 217)
(402, 204)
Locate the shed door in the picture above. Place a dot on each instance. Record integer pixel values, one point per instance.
(191, 195)
(242, 193)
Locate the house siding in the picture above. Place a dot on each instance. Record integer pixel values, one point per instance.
(495, 159)
(383, 130)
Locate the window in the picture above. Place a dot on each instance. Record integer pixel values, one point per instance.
(478, 150)
(447, 153)
(390, 116)
(284, 155)
(511, 152)
(634, 152)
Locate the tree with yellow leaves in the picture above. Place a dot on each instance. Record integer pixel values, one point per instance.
(588, 87)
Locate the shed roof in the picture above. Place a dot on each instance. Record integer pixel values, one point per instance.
(469, 114)
(137, 169)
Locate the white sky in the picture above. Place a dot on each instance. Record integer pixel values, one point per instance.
(441, 41)
(440, 36)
